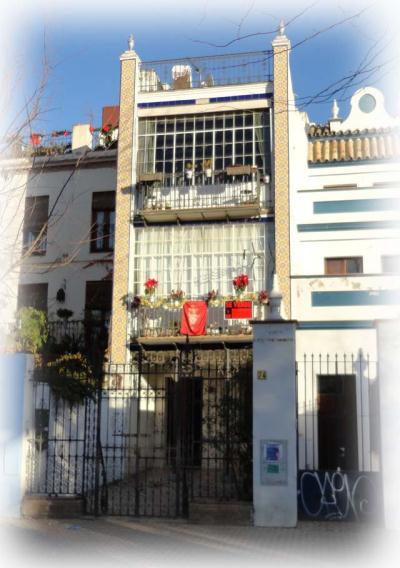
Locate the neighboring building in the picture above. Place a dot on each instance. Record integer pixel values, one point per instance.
(61, 231)
(345, 261)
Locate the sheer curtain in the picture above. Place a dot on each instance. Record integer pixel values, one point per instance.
(197, 259)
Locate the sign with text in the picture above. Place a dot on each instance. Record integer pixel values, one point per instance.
(238, 309)
(273, 462)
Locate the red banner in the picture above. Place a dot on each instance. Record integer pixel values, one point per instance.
(194, 318)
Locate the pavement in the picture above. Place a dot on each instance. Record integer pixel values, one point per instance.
(117, 541)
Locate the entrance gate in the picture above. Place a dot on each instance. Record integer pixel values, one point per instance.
(171, 428)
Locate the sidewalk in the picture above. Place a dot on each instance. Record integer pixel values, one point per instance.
(116, 541)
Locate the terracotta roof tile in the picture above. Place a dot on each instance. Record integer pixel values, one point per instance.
(346, 146)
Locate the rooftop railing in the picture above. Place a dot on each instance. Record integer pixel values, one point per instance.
(207, 71)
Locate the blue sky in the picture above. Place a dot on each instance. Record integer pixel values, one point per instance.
(84, 40)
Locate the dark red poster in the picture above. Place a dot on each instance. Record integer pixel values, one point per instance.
(194, 318)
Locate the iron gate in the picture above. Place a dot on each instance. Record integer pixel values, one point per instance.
(168, 429)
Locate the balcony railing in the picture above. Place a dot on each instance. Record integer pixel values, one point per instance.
(206, 71)
(157, 323)
(178, 193)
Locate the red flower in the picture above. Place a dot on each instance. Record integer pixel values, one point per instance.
(263, 297)
(240, 282)
(91, 128)
(106, 128)
(150, 285)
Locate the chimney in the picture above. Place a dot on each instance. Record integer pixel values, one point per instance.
(81, 137)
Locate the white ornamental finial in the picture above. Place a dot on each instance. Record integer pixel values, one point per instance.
(335, 110)
(131, 43)
(282, 28)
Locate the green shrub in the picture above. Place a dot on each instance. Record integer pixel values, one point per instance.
(32, 330)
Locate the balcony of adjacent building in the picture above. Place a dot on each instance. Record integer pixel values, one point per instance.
(161, 324)
(234, 193)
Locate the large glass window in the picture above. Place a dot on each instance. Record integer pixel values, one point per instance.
(197, 259)
(172, 145)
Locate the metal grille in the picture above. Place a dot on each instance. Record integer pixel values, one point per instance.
(206, 71)
(168, 429)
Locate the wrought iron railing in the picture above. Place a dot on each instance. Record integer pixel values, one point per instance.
(206, 71)
(161, 322)
(88, 335)
(203, 196)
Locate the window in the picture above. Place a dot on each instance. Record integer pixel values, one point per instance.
(98, 301)
(391, 264)
(35, 224)
(32, 295)
(103, 221)
(167, 145)
(344, 265)
(197, 259)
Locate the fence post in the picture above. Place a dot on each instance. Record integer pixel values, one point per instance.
(388, 337)
(274, 418)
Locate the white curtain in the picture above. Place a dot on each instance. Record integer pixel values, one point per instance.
(197, 259)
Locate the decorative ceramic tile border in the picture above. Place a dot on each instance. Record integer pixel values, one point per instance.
(281, 171)
(119, 320)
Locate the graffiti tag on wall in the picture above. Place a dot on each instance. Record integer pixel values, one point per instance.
(339, 495)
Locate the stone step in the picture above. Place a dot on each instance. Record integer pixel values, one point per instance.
(206, 512)
(43, 506)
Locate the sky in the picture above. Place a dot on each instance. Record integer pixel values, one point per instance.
(82, 41)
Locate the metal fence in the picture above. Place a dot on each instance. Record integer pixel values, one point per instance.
(204, 195)
(155, 435)
(166, 322)
(337, 412)
(206, 71)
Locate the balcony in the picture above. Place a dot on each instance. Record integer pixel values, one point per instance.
(175, 198)
(206, 71)
(158, 325)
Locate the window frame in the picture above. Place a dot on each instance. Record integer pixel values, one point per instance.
(34, 226)
(108, 225)
(344, 260)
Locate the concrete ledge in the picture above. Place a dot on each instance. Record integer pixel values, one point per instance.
(221, 513)
(42, 506)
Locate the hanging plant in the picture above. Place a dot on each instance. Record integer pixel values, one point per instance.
(70, 378)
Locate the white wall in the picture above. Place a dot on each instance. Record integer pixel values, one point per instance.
(68, 261)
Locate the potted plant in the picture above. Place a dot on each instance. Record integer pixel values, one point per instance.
(150, 287)
(240, 283)
(189, 170)
(212, 298)
(207, 164)
(177, 298)
(263, 297)
(107, 132)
